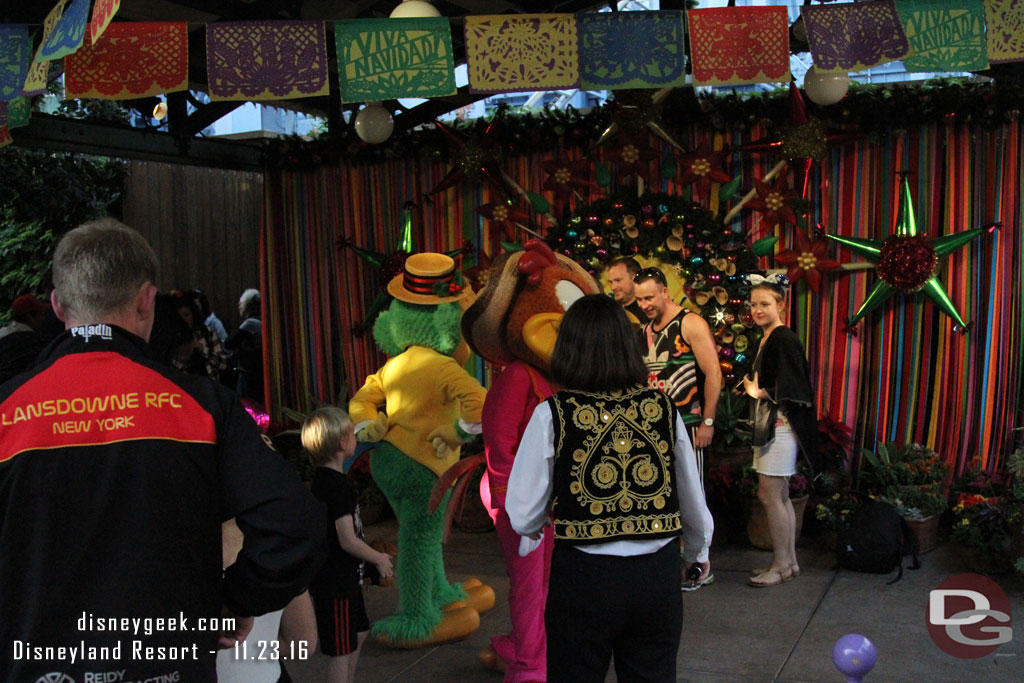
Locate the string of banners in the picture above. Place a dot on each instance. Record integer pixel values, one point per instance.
(412, 57)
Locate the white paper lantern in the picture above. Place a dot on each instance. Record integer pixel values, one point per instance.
(408, 9)
(826, 88)
(374, 123)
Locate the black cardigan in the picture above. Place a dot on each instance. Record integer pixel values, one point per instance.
(783, 372)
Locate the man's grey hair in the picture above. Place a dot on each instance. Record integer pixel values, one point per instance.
(99, 267)
(249, 304)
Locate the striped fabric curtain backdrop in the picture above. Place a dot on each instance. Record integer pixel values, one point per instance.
(905, 375)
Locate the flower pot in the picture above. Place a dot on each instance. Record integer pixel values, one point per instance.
(757, 523)
(925, 531)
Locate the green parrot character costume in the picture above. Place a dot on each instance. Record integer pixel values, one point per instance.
(430, 405)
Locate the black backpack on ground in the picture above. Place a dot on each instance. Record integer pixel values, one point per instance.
(876, 541)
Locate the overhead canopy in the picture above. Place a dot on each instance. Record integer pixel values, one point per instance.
(198, 13)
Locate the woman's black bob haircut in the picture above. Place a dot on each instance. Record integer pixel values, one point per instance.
(598, 349)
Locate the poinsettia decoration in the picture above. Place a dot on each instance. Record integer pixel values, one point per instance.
(774, 201)
(504, 215)
(703, 167)
(632, 156)
(566, 177)
(809, 260)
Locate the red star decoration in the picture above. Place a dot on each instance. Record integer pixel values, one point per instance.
(809, 260)
(800, 124)
(773, 201)
(703, 167)
(476, 158)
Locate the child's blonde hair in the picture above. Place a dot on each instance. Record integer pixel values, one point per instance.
(322, 432)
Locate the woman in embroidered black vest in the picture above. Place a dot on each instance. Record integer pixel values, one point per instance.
(610, 461)
(784, 421)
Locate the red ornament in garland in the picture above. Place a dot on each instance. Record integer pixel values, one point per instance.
(907, 262)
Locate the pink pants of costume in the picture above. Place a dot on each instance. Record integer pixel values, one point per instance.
(524, 649)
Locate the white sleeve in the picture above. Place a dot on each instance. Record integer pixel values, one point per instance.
(698, 526)
(530, 483)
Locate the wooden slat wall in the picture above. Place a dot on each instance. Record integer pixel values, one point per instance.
(204, 225)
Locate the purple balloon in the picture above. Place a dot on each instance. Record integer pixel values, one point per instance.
(854, 655)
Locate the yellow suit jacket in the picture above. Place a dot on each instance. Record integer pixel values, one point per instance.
(420, 390)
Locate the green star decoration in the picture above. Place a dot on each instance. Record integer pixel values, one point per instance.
(906, 262)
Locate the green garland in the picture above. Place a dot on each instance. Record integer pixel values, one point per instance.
(874, 109)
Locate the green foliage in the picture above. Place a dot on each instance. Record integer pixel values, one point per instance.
(916, 502)
(909, 477)
(539, 203)
(875, 109)
(836, 511)
(988, 530)
(732, 423)
(764, 246)
(25, 250)
(729, 189)
(59, 190)
(910, 464)
(42, 196)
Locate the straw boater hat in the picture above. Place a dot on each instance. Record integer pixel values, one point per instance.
(423, 276)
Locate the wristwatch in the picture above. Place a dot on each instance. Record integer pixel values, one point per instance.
(708, 421)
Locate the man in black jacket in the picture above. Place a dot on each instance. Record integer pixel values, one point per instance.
(115, 475)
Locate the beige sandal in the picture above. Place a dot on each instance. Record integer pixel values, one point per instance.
(795, 568)
(772, 577)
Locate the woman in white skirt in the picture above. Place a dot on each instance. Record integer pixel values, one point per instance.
(784, 422)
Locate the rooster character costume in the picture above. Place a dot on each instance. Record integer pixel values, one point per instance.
(514, 323)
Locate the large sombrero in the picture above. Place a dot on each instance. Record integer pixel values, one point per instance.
(428, 278)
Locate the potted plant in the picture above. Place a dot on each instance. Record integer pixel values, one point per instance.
(757, 521)
(725, 504)
(731, 441)
(988, 509)
(910, 478)
(835, 441)
(834, 514)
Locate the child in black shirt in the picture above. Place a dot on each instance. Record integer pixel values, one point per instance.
(341, 618)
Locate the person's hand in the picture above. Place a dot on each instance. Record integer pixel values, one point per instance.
(705, 572)
(703, 436)
(242, 627)
(751, 387)
(445, 440)
(384, 566)
(374, 431)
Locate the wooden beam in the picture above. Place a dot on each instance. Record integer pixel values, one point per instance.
(70, 135)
